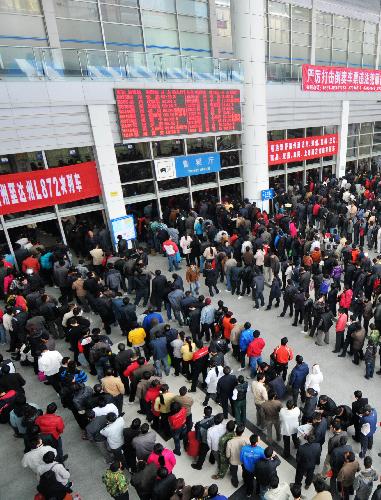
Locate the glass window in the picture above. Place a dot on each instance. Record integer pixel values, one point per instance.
(353, 128)
(330, 129)
(76, 10)
(377, 126)
(312, 131)
(323, 42)
(279, 36)
(117, 14)
(352, 142)
(187, 23)
(368, 61)
(279, 50)
(279, 23)
(352, 152)
(365, 139)
(80, 34)
(341, 21)
(200, 145)
(195, 41)
(192, 8)
(230, 173)
(172, 184)
(339, 57)
(117, 35)
(69, 156)
(300, 13)
(230, 159)
(21, 162)
(355, 47)
(323, 18)
(31, 29)
(166, 41)
(377, 148)
(124, 3)
(164, 5)
(301, 26)
(356, 24)
(168, 148)
(138, 188)
(366, 128)
(354, 59)
(203, 179)
(282, 9)
(132, 152)
(324, 31)
(276, 135)
(135, 172)
(369, 48)
(299, 39)
(364, 150)
(323, 55)
(21, 6)
(228, 142)
(295, 133)
(160, 20)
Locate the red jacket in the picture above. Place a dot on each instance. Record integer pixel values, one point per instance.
(283, 354)
(346, 299)
(130, 369)
(177, 421)
(50, 424)
(30, 263)
(256, 347)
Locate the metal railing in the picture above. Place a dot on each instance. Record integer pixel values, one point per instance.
(56, 64)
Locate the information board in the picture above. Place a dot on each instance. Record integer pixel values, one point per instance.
(164, 112)
(124, 226)
(303, 148)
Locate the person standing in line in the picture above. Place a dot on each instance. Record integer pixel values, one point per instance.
(214, 374)
(258, 388)
(239, 398)
(282, 355)
(341, 324)
(249, 456)
(357, 407)
(49, 363)
(347, 474)
(113, 432)
(289, 423)
(297, 379)
(116, 482)
(233, 451)
(225, 388)
(113, 386)
(254, 352)
(171, 249)
(363, 483)
(368, 423)
(271, 409)
(265, 470)
(307, 458)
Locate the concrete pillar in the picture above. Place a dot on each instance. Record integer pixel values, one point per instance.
(51, 28)
(106, 163)
(343, 140)
(248, 32)
(213, 28)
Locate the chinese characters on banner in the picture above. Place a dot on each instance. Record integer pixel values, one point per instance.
(337, 79)
(290, 150)
(43, 188)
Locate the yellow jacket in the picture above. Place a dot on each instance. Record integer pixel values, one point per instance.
(166, 407)
(186, 353)
(137, 336)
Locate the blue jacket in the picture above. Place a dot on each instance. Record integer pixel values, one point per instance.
(46, 260)
(245, 339)
(159, 348)
(148, 320)
(298, 375)
(370, 419)
(250, 455)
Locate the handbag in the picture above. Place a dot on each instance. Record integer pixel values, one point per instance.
(41, 376)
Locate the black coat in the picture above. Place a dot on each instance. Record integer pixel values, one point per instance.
(10, 381)
(265, 470)
(337, 457)
(164, 488)
(226, 385)
(308, 455)
(157, 290)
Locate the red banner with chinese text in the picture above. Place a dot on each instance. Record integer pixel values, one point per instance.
(43, 188)
(305, 148)
(338, 79)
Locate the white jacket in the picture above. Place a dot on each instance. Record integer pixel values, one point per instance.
(289, 421)
(114, 433)
(214, 434)
(212, 378)
(314, 379)
(50, 362)
(185, 244)
(33, 458)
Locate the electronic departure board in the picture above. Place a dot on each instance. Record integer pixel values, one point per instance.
(162, 112)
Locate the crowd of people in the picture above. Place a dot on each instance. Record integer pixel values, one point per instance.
(312, 250)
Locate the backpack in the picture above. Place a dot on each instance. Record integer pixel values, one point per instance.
(336, 272)
(324, 287)
(201, 428)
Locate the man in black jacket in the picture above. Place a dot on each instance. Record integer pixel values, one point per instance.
(288, 298)
(337, 460)
(194, 322)
(307, 458)
(265, 470)
(142, 286)
(225, 388)
(326, 406)
(357, 405)
(10, 381)
(165, 485)
(127, 316)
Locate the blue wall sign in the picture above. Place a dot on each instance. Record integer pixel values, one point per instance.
(205, 163)
(267, 194)
(124, 226)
